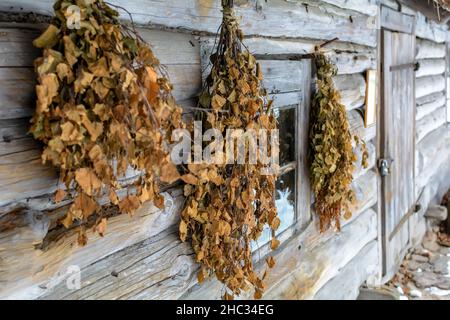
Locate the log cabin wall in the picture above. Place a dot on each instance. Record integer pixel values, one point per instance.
(141, 257)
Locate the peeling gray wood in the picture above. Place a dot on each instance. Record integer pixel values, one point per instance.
(14, 137)
(17, 97)
(315, 268)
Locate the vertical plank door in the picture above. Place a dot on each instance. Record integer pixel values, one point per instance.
(397, 145)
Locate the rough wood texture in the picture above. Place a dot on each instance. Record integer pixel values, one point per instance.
(430, 103)
(46, 275)
(431, 154)
(307, 272)
(429, 29)
(14, 138)
(428, 85)
(353, 90)
(345, 286)
(368, 7)
(318, 20)
(427, 49)
(430, 67)
(397, 141)
(390, 4)
(17, 96)
(430, 122)
(46, 266)
(141, 257)
(305, 263)
(357, 127)
(349, 58)
(396, 21)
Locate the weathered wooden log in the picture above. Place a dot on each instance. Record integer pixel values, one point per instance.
(430, 30)
(430, 103)
(430, 67)
(17, 97)
(49, 267)
(367, 7)
(396, 21)
(352, 89)
(358, 128)
(430, 154)
(304, 265)
(317, 20)
(349, 58)
(181, 55)
(390, 4)
(58, 254)
(427, 49)
(14, 137)
(428, 85)
(346, 284)
(430, 123)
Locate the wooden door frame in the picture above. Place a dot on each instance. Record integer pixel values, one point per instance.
(390, 20)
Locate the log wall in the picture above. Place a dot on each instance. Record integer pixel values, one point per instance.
(141, 257)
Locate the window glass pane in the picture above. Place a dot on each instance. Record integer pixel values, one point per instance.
(285, 203)
(286, 124)
(285, 199)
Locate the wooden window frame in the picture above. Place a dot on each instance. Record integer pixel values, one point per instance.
(302, 210)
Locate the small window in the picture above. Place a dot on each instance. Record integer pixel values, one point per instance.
(292, 196)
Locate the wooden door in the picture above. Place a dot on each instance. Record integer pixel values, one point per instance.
(397, 145)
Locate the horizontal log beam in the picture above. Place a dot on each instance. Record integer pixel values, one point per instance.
(430, 123)
(317, 20)
(430, 103)
(122, 232)
(430, 30)
(430, 67)
(352, 89)
(428, 155)
(427, 49)
(428, 85)
(346, 284)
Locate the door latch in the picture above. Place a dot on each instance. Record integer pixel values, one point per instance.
(384, 165)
